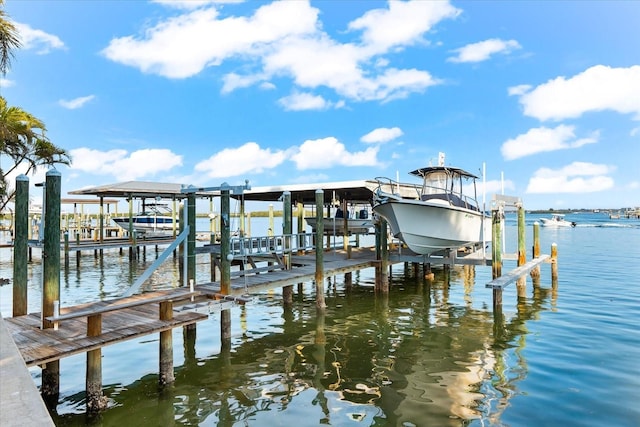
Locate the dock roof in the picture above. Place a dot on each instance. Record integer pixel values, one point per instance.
(360, 191)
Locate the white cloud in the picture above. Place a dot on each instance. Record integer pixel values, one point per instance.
(304, 101)
(233, 81)
(239, 161)
(184, 45)
(124, 166)
(481, 51)
(544, 139)
(39, 40)
(6, 82)
(598, 88)
(285, 39)
(72, 104)
(329, 152)
(191, 4)
(578, 177)
(519, 90)
(402, 23)
(382, 135)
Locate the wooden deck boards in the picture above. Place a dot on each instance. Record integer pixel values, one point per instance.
(138, 315)
(39, 346)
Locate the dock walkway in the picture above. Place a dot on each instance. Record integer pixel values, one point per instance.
(131, 317)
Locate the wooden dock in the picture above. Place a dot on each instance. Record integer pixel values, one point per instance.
(131, 317)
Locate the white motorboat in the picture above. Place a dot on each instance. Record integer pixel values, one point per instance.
(440, 217)
(155, 218)
(557, 220)
(336, 225)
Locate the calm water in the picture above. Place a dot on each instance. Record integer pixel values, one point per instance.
(429, 354)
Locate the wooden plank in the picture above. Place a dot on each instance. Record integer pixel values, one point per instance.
(503, 281)
(122, 303)
(43, 347)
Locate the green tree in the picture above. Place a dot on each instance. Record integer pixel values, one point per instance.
(22, 135)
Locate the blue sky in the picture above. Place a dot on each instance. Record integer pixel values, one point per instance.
(546, 94)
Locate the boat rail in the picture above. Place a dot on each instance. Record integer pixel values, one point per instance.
(285, 243)
(389, 188)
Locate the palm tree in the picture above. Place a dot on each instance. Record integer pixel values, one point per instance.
(9, 40)
(22, 135)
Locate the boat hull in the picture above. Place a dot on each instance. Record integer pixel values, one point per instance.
(146, 224)
(545, 222)
(427, 228)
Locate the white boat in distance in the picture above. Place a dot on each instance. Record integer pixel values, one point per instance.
(335, 226)
(441, 217)
(156, 218)
(557, 220)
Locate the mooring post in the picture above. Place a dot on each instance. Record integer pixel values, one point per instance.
(496, 258)
(319, 246)
(496, 244)
(191, 238)
(384, 257)
(21, 246)
(522, 251)
(554, 264)
(535, 272)
(287, 229)
(95, 399)
(51, 275)
(166, 346)
(301, 226)
(225, 262)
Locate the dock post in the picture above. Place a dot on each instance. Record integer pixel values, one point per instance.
(535, 272)
(166, 346)
(225, 263)
(95, 399)
(320, 303)
(301, 238)
(554, 264)
(191, 238)
(51, 275)
(522, 251)
(496, 245)
(287, 228)
(382, 278)
(20, 246)
(496, 256)
(66, 249)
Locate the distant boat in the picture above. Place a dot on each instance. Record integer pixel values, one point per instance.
(557, 220)
(156, 218)
(360, 225)
(440, 217)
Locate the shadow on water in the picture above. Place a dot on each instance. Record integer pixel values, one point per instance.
(425, 354)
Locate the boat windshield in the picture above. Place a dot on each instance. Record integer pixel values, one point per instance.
(435, 183)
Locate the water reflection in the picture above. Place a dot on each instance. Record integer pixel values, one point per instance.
(428, 353)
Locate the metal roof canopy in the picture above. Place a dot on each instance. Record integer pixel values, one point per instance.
(354, 191)
(137, 189)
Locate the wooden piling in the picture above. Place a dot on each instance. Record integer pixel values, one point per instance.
(51, 275)
(95, 399)
(20, 246)
(522, 252)
(166, 375)
(554, 264)
(382, 276)
(496, 244)
(319, 276)
(287, 291)
(535, 272)
(225, 264)
(496, 256)
(191, 238)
